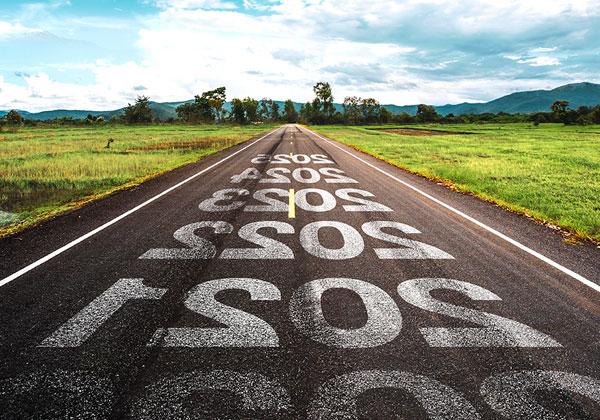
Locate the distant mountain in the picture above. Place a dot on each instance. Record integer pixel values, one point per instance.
(162, 110)
(578, 94)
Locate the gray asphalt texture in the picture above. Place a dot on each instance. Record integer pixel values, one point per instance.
(335, 353)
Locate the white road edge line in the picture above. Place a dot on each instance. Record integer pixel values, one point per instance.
(124, 215)
(508, 239)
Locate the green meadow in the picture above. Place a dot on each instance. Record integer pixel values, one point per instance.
(550, 172)
(50, 170)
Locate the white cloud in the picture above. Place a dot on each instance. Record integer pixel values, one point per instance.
(41, 92)
(34, 9)
(540, 61)
(250, 4)
(195, 4)
(536, 60)
(8, 29)
(187, 51)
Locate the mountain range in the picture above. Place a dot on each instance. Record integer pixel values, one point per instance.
(578, 94)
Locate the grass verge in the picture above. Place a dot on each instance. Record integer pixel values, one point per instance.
(550, 172)
(48, 171)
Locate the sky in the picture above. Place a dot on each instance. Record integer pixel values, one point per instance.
(102, 54)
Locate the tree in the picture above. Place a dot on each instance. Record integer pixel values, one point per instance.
(289, 111)
(583, 115)
(90, 119)
(316, 116)
(250, 106)
(244, 110)
(595, 115)
(322, 106)
(215, 99)
(139, 112)
(404, 118)
(370, 109)
(537, 118)
(14, 118)
(238, 112)
(196, 112)
(559, 107)
(385, 116)
(207, 107)
(352, 110)
(186, 112)
(306, 112)
(263, 109)
(570, 117)
(323, 92)
(560, 110)
(562, 113)
(584, 119)
(275, 111)
(426, 113)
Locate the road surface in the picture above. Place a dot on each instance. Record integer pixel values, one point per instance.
(293, 277)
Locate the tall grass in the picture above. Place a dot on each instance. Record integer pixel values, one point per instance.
(45, 171)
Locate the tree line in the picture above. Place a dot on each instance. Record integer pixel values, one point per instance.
(210, 108)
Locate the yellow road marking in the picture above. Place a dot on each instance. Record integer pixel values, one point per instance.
(292, 205)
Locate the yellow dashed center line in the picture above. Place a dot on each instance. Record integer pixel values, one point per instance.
(292, 205)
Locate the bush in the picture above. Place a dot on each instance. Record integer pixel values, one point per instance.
(140, 112)
(13, 118)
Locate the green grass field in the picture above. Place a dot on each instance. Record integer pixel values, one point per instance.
(550, 172)
(46, 171)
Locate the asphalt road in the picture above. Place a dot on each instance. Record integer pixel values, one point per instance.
(293, 277)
